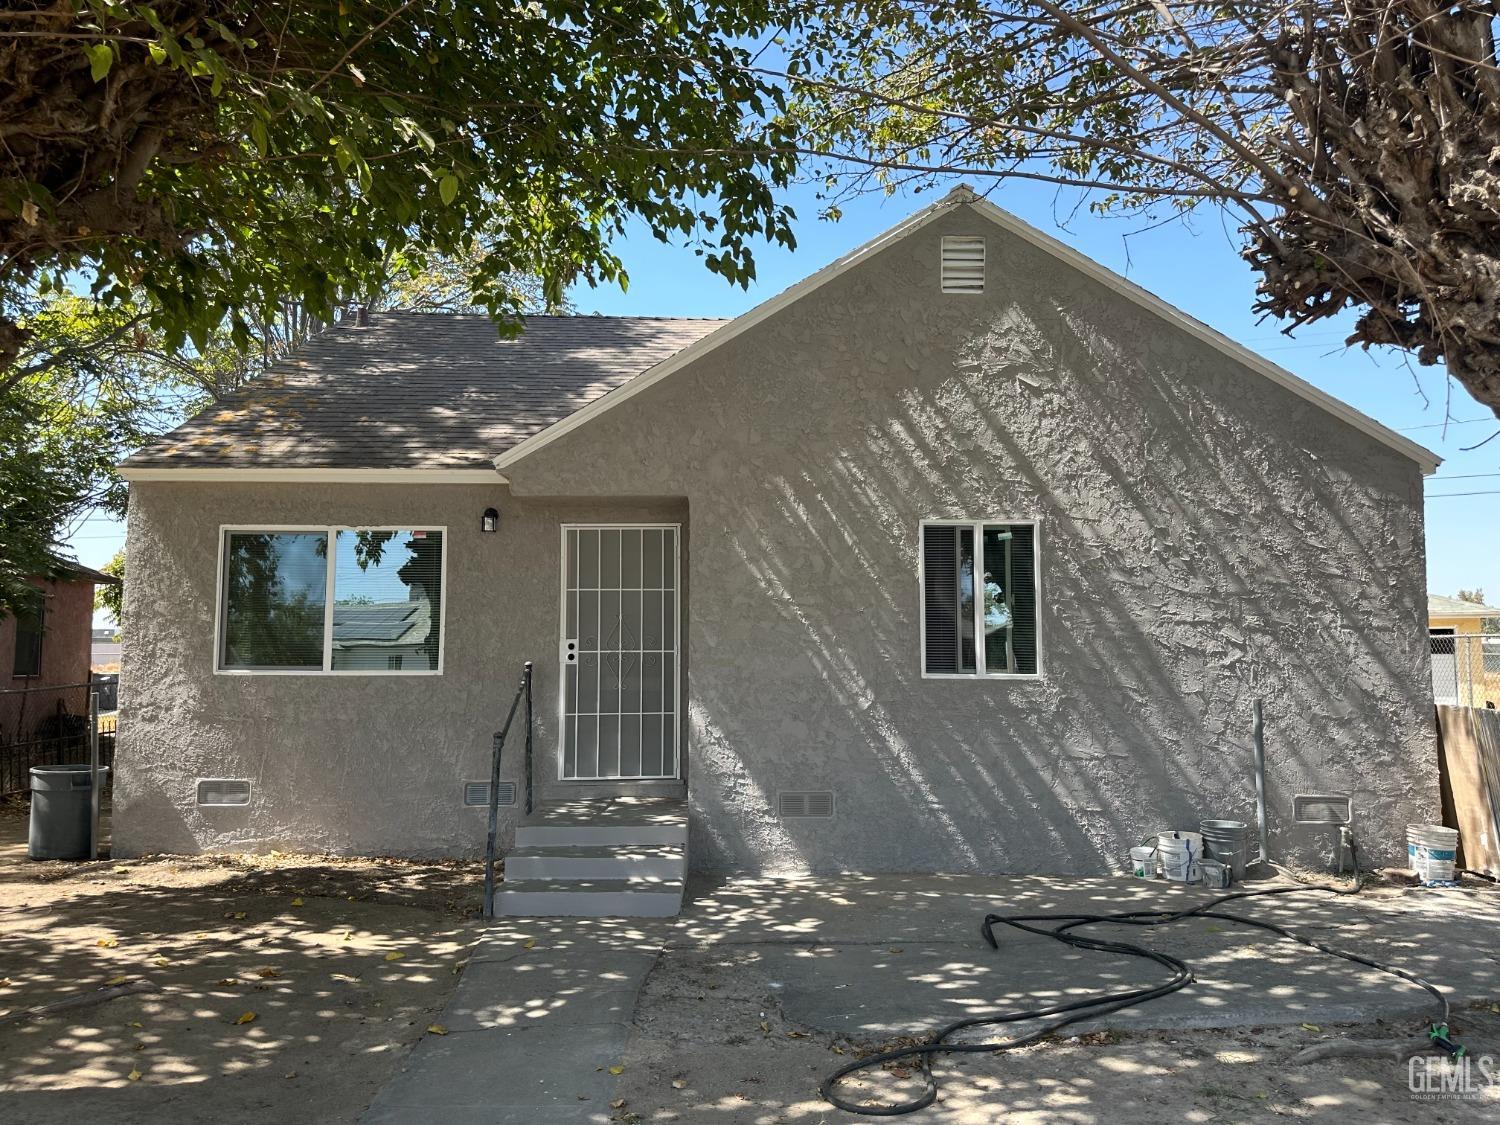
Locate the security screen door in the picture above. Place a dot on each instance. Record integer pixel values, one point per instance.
(619, 651)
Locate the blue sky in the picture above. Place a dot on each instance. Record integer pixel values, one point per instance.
(1194, 266)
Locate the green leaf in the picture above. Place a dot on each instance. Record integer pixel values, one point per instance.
(448, 188)
(259, 136)
(101, 58)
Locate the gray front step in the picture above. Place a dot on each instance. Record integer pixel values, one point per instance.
(599, 898)
(583, 835)
(599, 861)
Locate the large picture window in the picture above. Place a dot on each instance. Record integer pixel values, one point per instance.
(345, 600)
(979, 599)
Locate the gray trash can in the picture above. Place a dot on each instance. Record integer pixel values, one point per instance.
(60, 811)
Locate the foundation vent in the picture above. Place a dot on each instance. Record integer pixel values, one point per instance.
(220, 791)
(805, 804)
(478, 793)
(963, 265)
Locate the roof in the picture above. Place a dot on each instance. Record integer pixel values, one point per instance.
(419, 391)
(442, 395)
(381, 623)
(70, 570)
(1440, 606)
(962, 196)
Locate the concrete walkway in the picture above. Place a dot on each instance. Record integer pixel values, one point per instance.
(540, 1015)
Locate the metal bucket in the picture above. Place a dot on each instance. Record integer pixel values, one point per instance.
(1227, 841)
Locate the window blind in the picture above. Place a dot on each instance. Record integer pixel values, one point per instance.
(995, 564)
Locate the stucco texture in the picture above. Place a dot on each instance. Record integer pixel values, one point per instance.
(357, 764)
(1207, 538)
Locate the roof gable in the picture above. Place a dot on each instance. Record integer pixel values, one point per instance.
(965, 196)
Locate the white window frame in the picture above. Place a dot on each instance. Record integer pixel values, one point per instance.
(331, 530)
(980, 673)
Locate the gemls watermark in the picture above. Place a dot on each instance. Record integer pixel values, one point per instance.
(1439, 1078)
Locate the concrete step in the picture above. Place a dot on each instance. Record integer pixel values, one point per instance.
(591, 898)
(599, 861)
(583, 834)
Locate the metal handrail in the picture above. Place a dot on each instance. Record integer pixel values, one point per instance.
(523, 690)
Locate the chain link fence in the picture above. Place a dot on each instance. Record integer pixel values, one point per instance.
(1465, 668)
(48, 726)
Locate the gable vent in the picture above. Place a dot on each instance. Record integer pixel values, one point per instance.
(816, 803)
(478, 793)
(223, 791)
(963, 265)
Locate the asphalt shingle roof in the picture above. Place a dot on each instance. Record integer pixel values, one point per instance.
(420, 391)
(1440, 606)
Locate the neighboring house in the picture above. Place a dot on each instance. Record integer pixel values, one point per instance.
(963, 554)
(104, 651)
(47, 651)
(1465, 656)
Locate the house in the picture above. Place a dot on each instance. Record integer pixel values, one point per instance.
(44, 654)
(104, 651)
(1465, 645)
(963, 554)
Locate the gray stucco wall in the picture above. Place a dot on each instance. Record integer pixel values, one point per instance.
(371, 764)
(1207, 538)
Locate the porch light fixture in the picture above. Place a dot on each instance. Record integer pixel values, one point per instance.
(490, 521)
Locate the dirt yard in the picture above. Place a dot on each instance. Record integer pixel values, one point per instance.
(290, 987)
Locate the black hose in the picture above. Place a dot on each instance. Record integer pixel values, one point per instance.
(1102, 1004)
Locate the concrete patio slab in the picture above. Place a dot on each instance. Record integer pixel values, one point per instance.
(539, 1017)
(873, 956)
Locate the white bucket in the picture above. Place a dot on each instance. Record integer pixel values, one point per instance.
(1431, 851)
(1181, 854)
(1143, 862)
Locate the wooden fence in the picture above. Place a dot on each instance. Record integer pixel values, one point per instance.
(1469, 773)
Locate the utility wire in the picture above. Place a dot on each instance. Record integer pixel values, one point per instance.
(1441, 425)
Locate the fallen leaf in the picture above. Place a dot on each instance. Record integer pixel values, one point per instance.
(618, 1103)
(121, 979)
(394, 956)
(617, 1070)
(160, 960)
(133, 1076)
(764, 1026)
(290, 1074)
(248, 1017)
(135, 1023)
(228, 980)
(679, 1083)
(139, 1047)
(897, 950)
(529, 943)
(121, 870)
(296, 902)
(437, 1029)
(1311, 1027)
(6, 982)
(107, 942)
(348, 936)
(268, 972)
(236, 914)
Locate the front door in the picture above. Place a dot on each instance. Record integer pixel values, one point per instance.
(619, 651)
